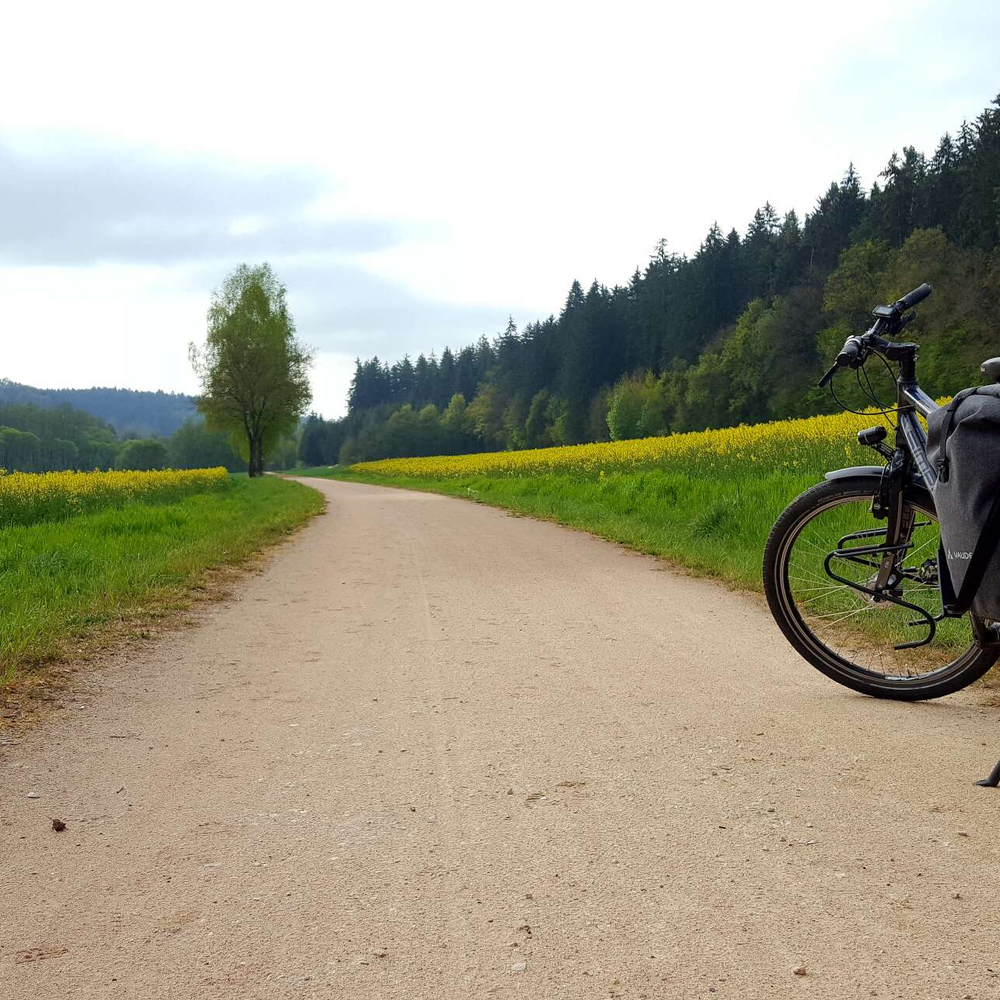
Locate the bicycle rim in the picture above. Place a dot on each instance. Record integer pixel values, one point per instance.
(849, 628)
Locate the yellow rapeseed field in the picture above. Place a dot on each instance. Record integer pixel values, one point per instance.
(26, 498)
(813, 443)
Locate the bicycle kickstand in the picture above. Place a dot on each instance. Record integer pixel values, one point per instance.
(993, 779)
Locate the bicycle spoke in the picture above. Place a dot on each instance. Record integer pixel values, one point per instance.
(853, 623)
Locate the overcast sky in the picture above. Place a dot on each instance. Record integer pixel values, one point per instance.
(416, 172)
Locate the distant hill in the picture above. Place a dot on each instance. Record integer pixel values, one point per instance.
(129, 411)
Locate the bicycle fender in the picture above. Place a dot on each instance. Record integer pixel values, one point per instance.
(870, 470)
(856, 470)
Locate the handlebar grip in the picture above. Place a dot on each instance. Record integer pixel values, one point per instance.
(849, 353)
(910, 299)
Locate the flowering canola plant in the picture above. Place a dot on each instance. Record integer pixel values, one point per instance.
(27, 498)
(812, 444)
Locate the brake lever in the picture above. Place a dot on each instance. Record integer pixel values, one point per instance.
(825, 380)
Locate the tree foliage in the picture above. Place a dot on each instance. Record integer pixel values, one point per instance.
(33, 439)
(131, 412)
(194, 446)
(736, 332)
(253, 370)
(142, 455)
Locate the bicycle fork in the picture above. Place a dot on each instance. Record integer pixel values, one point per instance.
(886, 557)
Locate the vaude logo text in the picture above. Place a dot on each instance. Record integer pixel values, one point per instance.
(959, 555)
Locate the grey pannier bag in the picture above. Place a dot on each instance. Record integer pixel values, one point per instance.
(963, 444)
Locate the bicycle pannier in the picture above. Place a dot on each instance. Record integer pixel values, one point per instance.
(963, 444)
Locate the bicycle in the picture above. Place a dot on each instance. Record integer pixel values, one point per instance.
(853, 572)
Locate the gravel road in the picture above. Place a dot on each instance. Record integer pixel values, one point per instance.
(437, 751)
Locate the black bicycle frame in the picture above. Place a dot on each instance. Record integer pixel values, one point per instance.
(911, 400)
(908, 465)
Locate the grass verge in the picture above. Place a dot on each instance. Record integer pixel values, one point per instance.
(62, 584)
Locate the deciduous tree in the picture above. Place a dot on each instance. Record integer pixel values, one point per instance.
(254, 372)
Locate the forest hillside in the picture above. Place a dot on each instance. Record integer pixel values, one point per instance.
(737, 332)
(131, 412)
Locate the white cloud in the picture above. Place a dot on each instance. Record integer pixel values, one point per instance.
(442, 163)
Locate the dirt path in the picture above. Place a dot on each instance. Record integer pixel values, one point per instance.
(437, 751)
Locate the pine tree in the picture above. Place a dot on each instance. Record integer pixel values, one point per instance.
(789, 258)
(404, 381)
(980, 210)
(423, 391)
(945, 194)
(577, 359)
(465, 372)
(900, 206)
(447, 379)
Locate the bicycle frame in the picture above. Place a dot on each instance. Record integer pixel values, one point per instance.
(907, 466)
(911, 400)
(902, 491)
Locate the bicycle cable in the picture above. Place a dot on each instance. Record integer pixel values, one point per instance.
(886, 411)
(882, 410)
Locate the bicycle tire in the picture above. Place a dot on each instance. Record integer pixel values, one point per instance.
(968, 667)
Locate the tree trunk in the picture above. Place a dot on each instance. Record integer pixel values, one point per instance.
(256, 465)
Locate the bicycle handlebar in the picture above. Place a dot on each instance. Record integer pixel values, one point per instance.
(849, 352)
(890, 319)
(910, 299)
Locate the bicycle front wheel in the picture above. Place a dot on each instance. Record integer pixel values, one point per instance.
(852, 636)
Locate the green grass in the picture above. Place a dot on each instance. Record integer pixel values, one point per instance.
(62, 584)
(31, 498)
